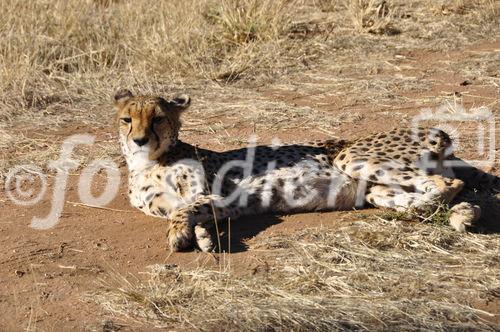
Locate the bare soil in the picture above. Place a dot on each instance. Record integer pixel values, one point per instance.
(45, 276)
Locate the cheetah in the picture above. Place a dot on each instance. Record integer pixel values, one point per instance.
(194, 188)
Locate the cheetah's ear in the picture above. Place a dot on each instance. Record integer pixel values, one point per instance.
(179, 103)
(122, 96)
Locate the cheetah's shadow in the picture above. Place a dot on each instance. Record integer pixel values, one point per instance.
(481, 189)
(489, 223)
(235, 234)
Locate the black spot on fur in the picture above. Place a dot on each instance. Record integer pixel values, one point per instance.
(357, 167)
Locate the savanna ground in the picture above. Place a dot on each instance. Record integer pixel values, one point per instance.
(292, 69)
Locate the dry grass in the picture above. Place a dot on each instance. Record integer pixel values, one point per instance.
(327, 5)
(381, 275)
(372, 16)
(462, 7)
(178, 38)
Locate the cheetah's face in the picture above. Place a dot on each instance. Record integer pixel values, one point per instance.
(149, 124)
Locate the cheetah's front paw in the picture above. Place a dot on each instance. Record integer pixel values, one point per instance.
(203, 239)
(464, 215)
(179, 235)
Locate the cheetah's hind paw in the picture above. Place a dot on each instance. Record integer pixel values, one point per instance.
(463, 216)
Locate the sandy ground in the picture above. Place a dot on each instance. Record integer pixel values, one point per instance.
(45, 275)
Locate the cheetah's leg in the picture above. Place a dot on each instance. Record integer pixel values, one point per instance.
(393, 198)
(428, 193)
(194, 220)
(415, 188)
(437, 189)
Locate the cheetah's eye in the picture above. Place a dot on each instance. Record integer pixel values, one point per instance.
(126, 120)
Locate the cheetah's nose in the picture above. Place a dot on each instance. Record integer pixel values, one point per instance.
(141, 141)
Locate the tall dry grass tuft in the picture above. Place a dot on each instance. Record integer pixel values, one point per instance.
(373, 16)
(244, 21)
(246, 34)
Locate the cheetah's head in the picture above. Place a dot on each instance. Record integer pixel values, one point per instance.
(149, 123)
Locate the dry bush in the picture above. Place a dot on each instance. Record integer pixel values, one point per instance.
(244, 21)
(373, 16)
(375, 275)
